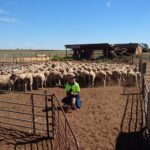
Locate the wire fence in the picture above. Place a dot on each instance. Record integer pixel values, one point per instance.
(22, 56)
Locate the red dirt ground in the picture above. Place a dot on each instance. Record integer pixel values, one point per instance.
(107, 120)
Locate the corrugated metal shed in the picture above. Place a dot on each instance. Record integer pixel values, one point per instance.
(85, 51)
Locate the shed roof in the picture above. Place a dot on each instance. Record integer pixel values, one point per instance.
(96, 46)
(127, 45)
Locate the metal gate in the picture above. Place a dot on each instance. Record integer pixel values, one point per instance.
(27, 118)
(63, 134)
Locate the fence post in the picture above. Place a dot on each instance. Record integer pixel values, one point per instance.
(33, 115)
(49, 55)
(13, 57)
(53, 115)
(148, 112)
(143, 69)
(143, 86)
(46, 108)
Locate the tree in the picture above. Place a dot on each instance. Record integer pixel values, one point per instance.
(144, 45)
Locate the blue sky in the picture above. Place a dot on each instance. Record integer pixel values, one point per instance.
(50, 24)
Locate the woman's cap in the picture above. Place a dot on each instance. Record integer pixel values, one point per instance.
(71, 75)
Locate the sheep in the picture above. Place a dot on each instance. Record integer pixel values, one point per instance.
(40, 77)
(124, 74)
(117, 75)
(139, 77)
(26, 79)
(8, 80)
(101, 75)
(109, 76)
(92, 77)
(55, 77)
(132, 77)
(83, 77)
(87, 74)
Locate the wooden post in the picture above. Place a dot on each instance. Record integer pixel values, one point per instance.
(148, 112)
(143, 68)
(132, 60)
(140, 65)
(34, 55)
(13, 58)
(143, 85)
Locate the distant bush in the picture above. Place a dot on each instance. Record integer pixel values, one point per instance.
(56, 58)
(68, 59)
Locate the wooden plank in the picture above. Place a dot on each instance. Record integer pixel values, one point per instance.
(148, 112)
(148, 75)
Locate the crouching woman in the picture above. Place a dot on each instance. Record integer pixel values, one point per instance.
(72, 89)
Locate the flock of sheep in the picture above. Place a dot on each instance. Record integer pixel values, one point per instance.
(49, 74)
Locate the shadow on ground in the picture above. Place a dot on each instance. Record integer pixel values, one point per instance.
(132, 141)
(133, 133)
(17, 140)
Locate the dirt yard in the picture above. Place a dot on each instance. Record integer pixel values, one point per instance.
(108, 120)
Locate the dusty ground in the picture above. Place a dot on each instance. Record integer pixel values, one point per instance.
(108, 120)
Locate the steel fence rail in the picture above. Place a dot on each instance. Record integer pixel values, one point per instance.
(21, 104)
(17, 112)
(6, 123)
(12, 118)
(26, 93)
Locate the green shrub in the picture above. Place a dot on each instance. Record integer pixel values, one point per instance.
(56, 57)
(68, 59)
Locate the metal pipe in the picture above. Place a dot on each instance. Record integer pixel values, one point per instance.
(46, 108)
(17, 112)
(33, 117)
(16, 125)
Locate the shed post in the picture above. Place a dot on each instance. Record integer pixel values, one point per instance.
(49, 55)
(66, 53)
(107, 51)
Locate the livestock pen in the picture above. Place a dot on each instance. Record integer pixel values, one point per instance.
(97, 123)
